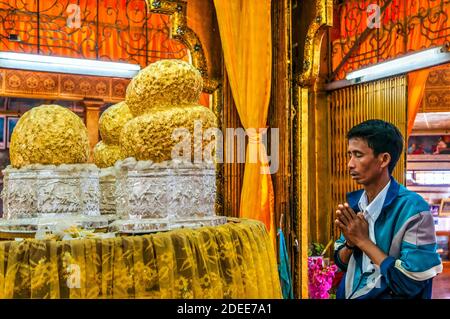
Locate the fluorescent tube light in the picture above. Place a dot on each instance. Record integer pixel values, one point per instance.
(36, 62)
(407, 63)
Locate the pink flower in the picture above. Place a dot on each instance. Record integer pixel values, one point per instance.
(320, 278)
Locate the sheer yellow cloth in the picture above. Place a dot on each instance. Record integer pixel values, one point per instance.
(235, 260)
(245, 32)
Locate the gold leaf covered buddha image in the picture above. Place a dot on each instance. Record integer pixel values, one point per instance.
(134, 186)
(49, 134)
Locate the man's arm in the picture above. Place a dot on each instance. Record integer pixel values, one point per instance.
(376, 255)
(343, 247)
(356, 230)
(339, 248)
(343, 250)
(399, 283)
(418, 261)
(345, 254)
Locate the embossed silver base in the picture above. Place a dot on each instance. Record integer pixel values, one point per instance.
(167, 190)
(32, 225)
(37, 191)
(139, 226)
(24, 225)
(110, 217)
(94, 222)
(198, 222)
(143, 226)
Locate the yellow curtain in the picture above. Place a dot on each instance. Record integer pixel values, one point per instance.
(234, 260)
(245, 31)
(416, 89)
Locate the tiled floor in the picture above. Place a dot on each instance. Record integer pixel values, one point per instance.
(441, 284)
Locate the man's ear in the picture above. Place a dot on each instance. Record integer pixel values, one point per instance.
(385, 159)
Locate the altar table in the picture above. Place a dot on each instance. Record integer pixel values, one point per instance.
(235, 260)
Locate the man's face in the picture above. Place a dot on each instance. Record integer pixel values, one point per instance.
(364, 167)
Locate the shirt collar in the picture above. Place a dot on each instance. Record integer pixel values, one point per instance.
(373, 209)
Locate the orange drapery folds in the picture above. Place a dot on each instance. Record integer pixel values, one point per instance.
(245, 31)
(416, 89)
(426, 23)
(112, 30)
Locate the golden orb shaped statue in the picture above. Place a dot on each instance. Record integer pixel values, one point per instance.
(112, 121)
(107, 155)
(149, 136)
(49, 134)
(164, 83)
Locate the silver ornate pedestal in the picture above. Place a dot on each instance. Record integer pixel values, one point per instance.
(57, 192)
(141, 197)
(193, 195)
(90, 191)
(19, 194)
(41, 194)
(108, 193)
(162, 196)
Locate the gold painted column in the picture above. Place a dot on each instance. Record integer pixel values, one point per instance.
(92, 111)
(303, 139)
(310, 20)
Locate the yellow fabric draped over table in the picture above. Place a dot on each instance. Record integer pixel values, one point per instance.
(235, 260)
(245, 32)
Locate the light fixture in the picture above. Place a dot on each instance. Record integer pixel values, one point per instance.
(36, 62)
(13, 37)
(404, 64)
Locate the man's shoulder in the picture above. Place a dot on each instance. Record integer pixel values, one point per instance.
(411, 201)
(405, 194)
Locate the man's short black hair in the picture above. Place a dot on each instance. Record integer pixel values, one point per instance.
(381, 137)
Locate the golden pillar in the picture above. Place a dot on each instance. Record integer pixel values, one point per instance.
(92, 111)
(311, 21)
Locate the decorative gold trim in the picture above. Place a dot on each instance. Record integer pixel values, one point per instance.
(217, 108)
(313, 42)
(306, 80)
(303, 186)
(176, 9)
(45, 85)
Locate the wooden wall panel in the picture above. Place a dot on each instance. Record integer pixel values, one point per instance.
(385, 99)
(233, 172)
(437, 94)
(279, 113)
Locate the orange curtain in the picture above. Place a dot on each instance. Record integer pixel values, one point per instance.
(245, 32)
(416, 89)
(422, 34)
(389, 41)
(16, 22)
(122, 34)
(204, 99)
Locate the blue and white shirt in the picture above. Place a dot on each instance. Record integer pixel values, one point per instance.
(401, 225)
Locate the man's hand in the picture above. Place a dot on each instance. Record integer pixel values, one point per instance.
(356, 231)
(354, 226)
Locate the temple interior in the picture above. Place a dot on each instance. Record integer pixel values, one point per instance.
(198, 148)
